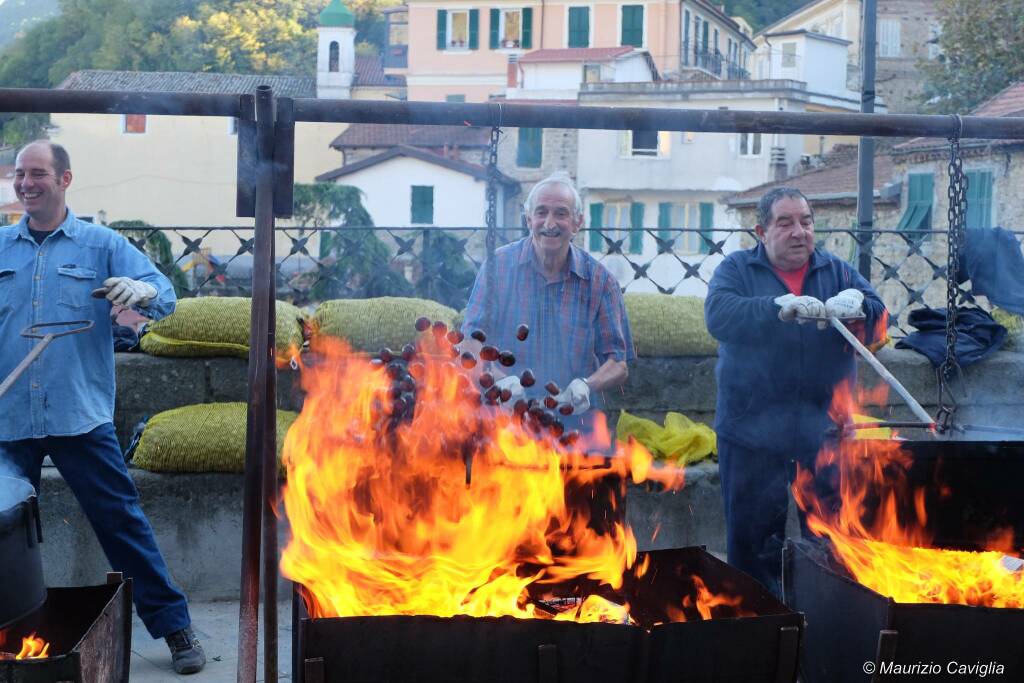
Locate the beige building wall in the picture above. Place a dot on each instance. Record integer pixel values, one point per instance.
(180, 172)
(478, 74)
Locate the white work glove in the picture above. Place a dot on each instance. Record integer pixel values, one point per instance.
(125, 291)
(577, 394)
(512, 383)
(793, 307)
(848, 303)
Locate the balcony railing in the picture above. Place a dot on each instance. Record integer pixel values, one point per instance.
(313, 264)
(714, 62)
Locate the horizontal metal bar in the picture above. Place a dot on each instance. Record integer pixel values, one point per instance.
(48, 101)
(636, 118)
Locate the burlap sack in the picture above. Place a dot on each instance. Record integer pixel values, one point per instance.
(1014, 325)
(217, 326)
(371, 324)
(665, 325)
(209, 437)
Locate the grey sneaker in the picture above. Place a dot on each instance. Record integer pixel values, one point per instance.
(187, 654)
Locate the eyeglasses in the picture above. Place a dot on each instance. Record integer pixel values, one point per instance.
(34, 175)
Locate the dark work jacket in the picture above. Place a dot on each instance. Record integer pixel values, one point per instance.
(775, 379)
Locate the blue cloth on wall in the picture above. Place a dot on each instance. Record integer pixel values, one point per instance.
(993, 262)
(977, 335)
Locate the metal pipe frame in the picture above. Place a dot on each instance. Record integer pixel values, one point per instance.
(45, 101)
(638, 118)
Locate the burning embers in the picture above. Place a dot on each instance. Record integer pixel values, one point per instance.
(881, 532)
(384, 523)
(32, 647)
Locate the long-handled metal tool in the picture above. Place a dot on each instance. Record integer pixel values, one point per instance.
(32, 333)
(850, 337)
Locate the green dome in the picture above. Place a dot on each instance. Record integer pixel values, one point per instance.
(336, 14)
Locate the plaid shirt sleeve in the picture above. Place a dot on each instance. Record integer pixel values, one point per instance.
(614, 339)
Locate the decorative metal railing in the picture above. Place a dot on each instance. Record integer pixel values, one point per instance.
(314, 264)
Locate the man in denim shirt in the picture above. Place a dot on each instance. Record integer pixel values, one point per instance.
(63, 405)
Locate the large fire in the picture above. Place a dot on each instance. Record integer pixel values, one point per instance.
(384, 521)
(888, 549)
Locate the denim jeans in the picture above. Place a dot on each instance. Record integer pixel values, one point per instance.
(755, 493)
(94, 469)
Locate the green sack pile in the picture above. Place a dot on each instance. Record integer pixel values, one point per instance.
(371, 324)
(680, 440)
(208, 437)
(1014, 325)
(217, 326)
(666, 325)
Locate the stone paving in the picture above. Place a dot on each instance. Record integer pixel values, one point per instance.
(216, 626)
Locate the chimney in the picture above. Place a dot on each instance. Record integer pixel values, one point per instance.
(512, 72)
(778, 164)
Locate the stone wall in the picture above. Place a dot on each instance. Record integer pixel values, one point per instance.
(197, 517)
(899, 80)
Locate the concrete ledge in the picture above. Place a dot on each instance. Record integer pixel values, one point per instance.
(197, 517)
(198, 523)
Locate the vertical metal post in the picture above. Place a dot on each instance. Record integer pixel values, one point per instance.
(260, 369)
(265, 203)
(866, 148)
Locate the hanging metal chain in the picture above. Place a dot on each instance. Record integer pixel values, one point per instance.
(493, 176)
(956, 215)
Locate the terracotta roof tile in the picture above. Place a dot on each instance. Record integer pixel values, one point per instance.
(390, 135)
(1008, 102)
(182, 82)
(474, 170)
(832, 181)
(370, 72)
(575, 54)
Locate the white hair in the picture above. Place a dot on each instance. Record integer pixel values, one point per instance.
(556, 178)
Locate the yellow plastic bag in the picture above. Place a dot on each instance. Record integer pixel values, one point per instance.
(680, 439)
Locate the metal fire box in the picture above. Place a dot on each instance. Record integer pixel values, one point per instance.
(855, 635)
(427, 649)
(89, 629)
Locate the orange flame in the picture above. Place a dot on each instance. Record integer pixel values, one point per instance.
(382, 519)
(888, 549)
(33, 647)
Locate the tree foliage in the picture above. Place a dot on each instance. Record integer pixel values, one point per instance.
(981, 46)
(227, 36)
(353, 262)
(761, 13)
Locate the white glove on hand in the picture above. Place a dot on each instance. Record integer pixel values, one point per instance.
(793, 307)
(848, 303)
(577, 394)
(512, 383)
(128, 292)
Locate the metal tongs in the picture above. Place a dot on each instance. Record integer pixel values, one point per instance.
(32, 332)
(926, 420)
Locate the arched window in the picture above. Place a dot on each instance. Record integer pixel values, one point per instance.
(332, 64)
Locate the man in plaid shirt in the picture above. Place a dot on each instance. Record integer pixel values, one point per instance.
(579, 334)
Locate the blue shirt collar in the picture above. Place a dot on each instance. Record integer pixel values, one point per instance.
(577, 264)
(69, 226)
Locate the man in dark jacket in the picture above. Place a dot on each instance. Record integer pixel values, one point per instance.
(776, 376)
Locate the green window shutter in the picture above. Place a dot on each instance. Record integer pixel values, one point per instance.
(474, 29)
(707, 222)
(529, 149)
(979, 199)
(493, 29)
(665, 220)
(442, 29)
(920, 193)
(527, 28)
(422, 204)
(636, 225)
(596, 222)
(579, 27)
(633, 25)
